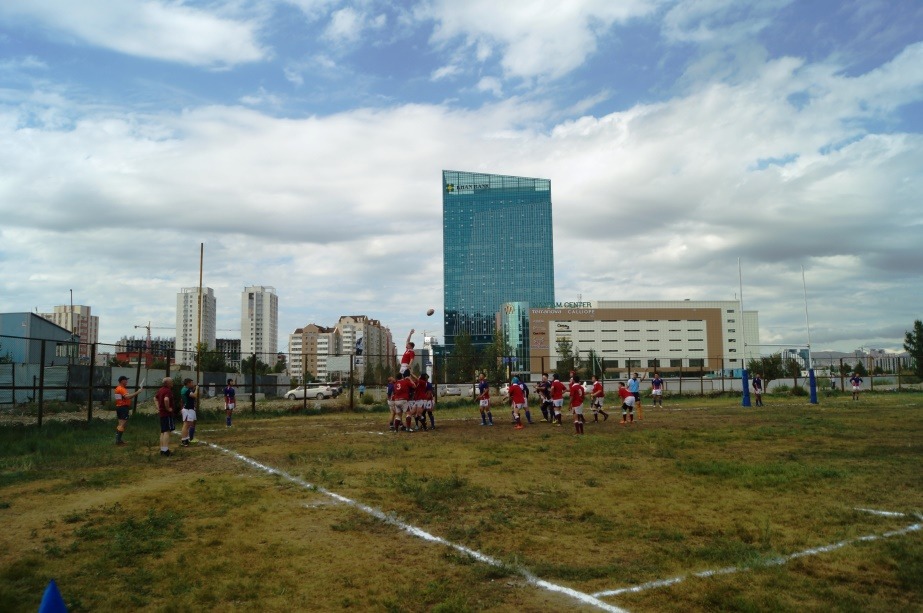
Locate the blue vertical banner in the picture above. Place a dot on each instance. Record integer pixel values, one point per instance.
(745, 380)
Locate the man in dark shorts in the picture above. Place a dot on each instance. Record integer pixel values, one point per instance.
(164, 399)
(122, 407)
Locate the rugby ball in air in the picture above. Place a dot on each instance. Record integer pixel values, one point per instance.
(430, 312)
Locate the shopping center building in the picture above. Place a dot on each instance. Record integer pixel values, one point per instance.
(643, 336)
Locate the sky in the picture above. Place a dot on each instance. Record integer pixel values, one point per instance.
(694, 148)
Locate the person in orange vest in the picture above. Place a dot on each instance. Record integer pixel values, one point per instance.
(122, 405)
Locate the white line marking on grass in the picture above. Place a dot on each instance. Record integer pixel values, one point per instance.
(772, 562)
(882, 513)
(422, 534)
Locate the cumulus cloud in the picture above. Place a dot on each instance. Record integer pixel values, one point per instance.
(535, 39)
(154, 29)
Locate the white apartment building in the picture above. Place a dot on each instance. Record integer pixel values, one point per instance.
(710, 335)
(295, 361)
(309, 348)
(375, 344)
(79, 320)
(259, 323)
(187, 322)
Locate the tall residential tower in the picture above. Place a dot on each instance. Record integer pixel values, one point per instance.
(497, 248)
(259, 323)
(187, 322)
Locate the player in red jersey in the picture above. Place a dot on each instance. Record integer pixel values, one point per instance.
(401, 397)
(576, 403)
(421, 390)
(628, 404)
(518, 402)
(557, 398)
(409, 355)
(598, 395)
(428, 403)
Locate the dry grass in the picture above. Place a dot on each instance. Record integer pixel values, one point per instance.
(700, 485)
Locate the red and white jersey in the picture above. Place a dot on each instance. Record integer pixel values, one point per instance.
(408, 357)
(517, 396)
(420, 391)
(557, 390)
(624, 393)
(576, 395)
(402, 389)
(598, 390)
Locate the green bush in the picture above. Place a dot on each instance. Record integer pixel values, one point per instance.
(799, 390)
(367, 398)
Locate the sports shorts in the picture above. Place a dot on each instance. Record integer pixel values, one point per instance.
(121, 412)
(577, 410)
(855, 388)
(628, 403)
(230, 406)
(166, 424)
(597, 403)
(400, 406)
(428, 405)
(484, 404)
(189, 415)
(656, 392)
(637, 395)
(558, 403)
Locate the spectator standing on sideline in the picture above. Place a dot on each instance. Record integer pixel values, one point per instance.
(229, 403)
(122, 404)
(188, 396)
(758, 389)
(164, 400)
(856, 382)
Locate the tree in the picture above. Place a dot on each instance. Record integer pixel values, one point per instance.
(280, 364)
(860, 369)
(210, 360)
(770, 367)
(566, 361)
(246, 366)
(460, 365)
(792, 368)
(5, 358)
(495, 359)
(913, 344)
(118, 362)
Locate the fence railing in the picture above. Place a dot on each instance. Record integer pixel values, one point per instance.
(35, 371)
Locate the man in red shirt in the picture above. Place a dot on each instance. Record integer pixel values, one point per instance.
(409, 355)
(419, 400)
(576, 403)
(401, 397)
(598, 395)
(164, 399)
(518, 401)
(557, 399)
(628, 404)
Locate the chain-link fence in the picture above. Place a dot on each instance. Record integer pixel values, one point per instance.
(34, 371)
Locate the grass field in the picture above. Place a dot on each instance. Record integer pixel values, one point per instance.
(704, 505)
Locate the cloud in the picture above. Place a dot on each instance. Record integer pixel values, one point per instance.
(347, 25)
(535, 39)
(166, 31)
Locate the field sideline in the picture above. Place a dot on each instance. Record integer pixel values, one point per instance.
(703, 505)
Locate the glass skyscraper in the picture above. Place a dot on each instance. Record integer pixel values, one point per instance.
(497, 248)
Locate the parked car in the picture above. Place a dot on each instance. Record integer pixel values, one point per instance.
(449, 390)
(311, 391)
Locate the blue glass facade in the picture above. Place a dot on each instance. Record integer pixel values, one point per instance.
(497, 248)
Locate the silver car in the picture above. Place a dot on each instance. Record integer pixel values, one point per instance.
(311, 391)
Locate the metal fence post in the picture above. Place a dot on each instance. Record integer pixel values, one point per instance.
(41, 383)
(90, 382)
